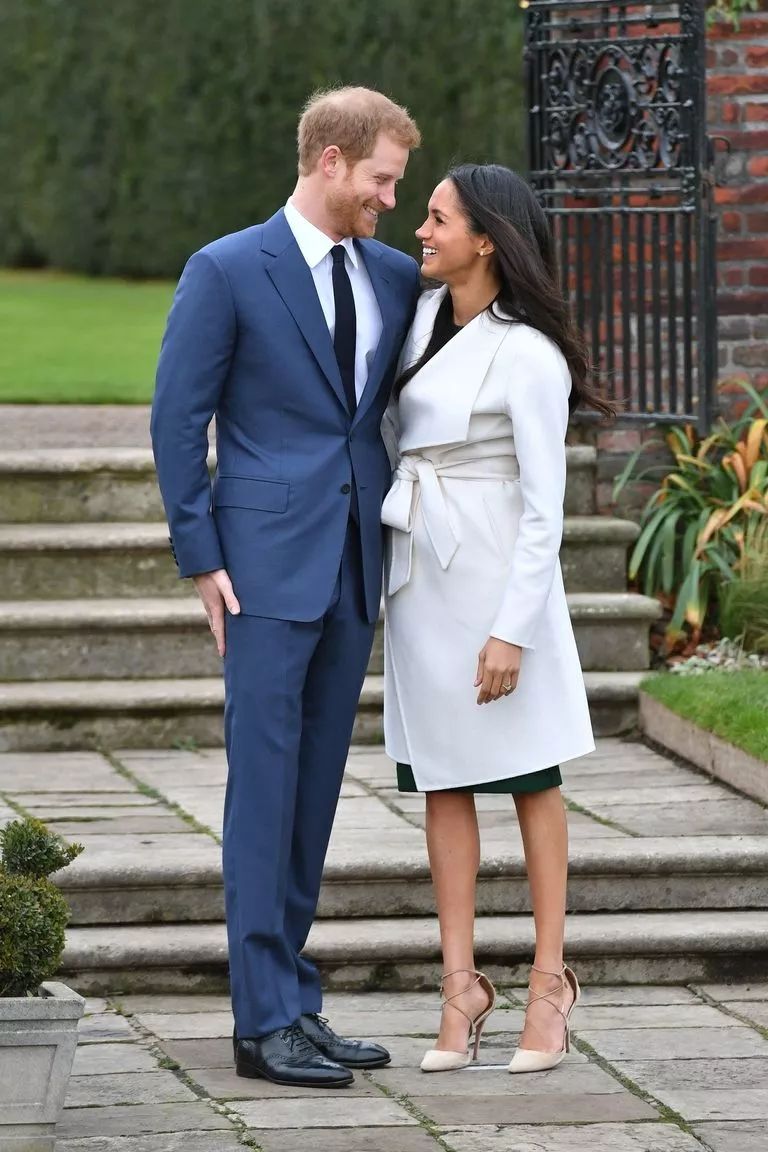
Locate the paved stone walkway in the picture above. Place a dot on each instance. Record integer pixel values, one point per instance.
(656, 1070)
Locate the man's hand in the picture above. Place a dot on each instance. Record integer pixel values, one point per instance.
(498, 668)
(217, 594)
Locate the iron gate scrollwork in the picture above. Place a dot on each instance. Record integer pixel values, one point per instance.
(620, 159)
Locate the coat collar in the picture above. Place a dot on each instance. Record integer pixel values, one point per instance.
(436, 405)
(293, 280)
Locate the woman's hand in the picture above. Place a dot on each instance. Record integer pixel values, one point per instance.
(498, 668)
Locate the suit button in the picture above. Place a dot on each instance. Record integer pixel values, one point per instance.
(346, 488)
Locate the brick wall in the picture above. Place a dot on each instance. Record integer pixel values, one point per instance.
(737, 90)
(737, 87)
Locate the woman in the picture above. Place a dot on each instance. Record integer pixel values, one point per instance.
(490, 371)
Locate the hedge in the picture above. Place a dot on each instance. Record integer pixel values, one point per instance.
(133, 132)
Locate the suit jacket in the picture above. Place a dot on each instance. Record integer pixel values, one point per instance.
(247, 341)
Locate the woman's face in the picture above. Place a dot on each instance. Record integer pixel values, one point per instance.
(450, 251)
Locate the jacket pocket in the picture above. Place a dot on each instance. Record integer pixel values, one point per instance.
(243, 492)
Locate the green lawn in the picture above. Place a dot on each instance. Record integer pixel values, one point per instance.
(74, 340)
(733, 705)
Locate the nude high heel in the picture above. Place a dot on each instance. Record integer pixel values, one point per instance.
(437, 1061)
(529, 1060)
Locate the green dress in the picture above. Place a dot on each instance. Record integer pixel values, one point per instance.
(512, 785)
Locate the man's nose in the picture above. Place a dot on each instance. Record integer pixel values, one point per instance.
(388, 198)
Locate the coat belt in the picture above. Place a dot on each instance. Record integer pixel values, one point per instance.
(417, 479)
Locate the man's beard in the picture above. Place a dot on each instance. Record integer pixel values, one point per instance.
(349, 216)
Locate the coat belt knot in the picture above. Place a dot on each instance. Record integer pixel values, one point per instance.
(418, 479)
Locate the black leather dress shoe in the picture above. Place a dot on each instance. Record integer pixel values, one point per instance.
(289, 1057)
(350, 1053)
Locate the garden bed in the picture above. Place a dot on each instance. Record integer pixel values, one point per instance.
(717, 720)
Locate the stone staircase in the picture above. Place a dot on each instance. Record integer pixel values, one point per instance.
(668, 873)
(102, 645)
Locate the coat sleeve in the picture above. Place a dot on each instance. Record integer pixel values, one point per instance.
(537, 391)
(194, 361)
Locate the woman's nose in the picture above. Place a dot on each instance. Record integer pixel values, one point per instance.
(422, 233)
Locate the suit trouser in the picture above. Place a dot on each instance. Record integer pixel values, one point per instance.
(292, 690)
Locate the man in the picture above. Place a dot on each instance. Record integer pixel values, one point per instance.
(289, 332)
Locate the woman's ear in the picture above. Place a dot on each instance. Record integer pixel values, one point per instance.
(486, 247)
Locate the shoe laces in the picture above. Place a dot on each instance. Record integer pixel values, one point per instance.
(298, 1042)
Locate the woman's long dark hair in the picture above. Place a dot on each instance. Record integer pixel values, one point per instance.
(501, 205)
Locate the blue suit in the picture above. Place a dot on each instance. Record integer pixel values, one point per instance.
(247, 341)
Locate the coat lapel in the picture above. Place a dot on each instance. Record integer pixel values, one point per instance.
(293, 280)
(436, 406)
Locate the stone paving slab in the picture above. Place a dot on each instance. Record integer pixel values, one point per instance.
(67, 800)
(156, 1087)
(225, 1141)
(138, 825)
(734, 992)
(661, 1076)
(568, 1138)
(337, 1112)
(174, 1003)
(643, 994)
(754, 1010)
(675, 1043)
(187, 1025)
(723, 1104)
(745, 1137)
(604, 1017)
(572, 1077)
(127, 1120)
(106, 1059)
(339, 1140)
(532, 1108)
(716, 817)
(193, 1054)
(100, 1026)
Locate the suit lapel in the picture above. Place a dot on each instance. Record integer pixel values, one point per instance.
(293, 280)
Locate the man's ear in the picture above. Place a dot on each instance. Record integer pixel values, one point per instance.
(331, 160)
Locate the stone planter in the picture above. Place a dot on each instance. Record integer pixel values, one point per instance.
(38, 1037)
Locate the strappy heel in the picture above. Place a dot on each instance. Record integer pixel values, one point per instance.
(531, 1060)
(436, 1060)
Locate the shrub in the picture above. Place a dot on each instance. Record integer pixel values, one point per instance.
(133, 133)
(33, 912)
(694, 526)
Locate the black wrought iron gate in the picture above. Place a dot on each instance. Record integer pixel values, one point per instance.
(619, 156)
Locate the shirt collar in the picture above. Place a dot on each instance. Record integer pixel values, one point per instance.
(313, 244)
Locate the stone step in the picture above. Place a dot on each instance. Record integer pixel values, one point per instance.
(65, 714)
(155, 638)
(100, 484)
(69, 561)
(624, 874)
(604, 948)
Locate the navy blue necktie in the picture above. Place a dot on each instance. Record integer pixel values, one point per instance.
(345, 333)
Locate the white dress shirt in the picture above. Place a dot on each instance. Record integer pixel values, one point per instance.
(316, 247)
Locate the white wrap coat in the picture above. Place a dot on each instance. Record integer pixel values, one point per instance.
(474, 525)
